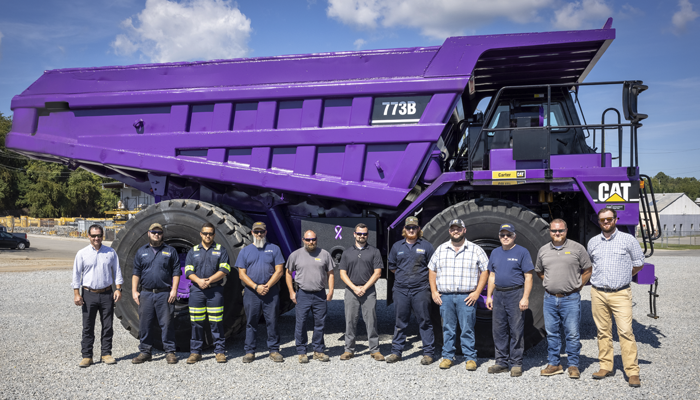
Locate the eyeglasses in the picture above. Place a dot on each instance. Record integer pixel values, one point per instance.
(362, 233)
(505, 235)
(207, 233)
(96, 236)
(557, 230)
(156, 232)
(412, 228)
(309, 239)
(606, 220)
(259, 232)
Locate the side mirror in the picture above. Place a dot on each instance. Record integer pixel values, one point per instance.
(630, 91)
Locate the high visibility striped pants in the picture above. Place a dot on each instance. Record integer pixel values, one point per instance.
(207, 304)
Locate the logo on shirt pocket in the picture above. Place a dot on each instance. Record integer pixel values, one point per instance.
(420, 251)
(165, 253)
(317, 259)
(216, 253)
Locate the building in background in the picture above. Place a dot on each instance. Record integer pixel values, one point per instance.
(130, 199)
(679, 215)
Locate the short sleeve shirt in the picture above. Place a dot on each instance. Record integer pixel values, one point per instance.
(410, 264)
(205, 263)
(260, 263)
(311, 268)
(156, 267)
(613, 259)
(562, 267)
(458, 271)
(509, 266)
(360, 264)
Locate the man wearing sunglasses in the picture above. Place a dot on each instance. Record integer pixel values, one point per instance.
(510, 281)
(154, 288)
(408, 261)
(564, 267)
(206, 266)
(95, 269)
(313, 268)
(260, 269)
(616, 257)
(360, 267)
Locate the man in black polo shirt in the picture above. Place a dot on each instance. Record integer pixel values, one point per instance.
(360, 267)
(157, 269)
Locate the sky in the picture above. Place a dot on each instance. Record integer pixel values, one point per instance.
(656, 42)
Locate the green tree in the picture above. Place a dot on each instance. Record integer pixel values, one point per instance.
(11, 167)
(43, 190)
(86, 195)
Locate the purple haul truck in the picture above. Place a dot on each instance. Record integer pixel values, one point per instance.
(325, 141)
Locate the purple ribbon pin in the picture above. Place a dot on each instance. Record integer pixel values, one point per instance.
(338, 230)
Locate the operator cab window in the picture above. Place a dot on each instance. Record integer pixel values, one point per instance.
(530, 114)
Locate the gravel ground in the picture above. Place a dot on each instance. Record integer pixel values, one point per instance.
(40, 351)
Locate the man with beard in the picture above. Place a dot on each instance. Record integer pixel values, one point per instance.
(616, 257)
(408, 260)
(157, 270)
(312, 268)
(260, 268)
(510, 268)
(360, 267)
(206, 267)
(458, 274)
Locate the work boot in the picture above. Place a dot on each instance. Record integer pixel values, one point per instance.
(426, 360)
(321, 357)
(303, 359)
(108, 359)
(550, 370)
(573, 373)
(220, 357)
(193, 358)
(248, 358)
(377, 356)
(445, 363)
(516, 372)
(171, 358)
(346, 356)
(276, 356)
(85, 362)
(141, 358)
(603, 373)
(471, 365)
(392, 358)
(634, 381)
(497, 369)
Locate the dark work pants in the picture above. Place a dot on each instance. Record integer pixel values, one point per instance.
(508, 328)
(268, 306)
(316, 303)
(155, 306)
(94, 303)
(207, 303)
(417, 301)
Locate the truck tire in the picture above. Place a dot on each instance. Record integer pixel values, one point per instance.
(483, 217)
(182, 220)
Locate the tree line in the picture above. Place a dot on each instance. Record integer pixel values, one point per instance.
(665, 184)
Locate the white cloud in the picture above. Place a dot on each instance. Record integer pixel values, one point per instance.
(684, 15)
(436, 19)
(581, 13)
(192, 30)
(359, 43)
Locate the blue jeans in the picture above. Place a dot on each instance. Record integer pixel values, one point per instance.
(316, 303)
(418, 301)
(455, 311)
(508, 328)
(267, 305)
(566, 312)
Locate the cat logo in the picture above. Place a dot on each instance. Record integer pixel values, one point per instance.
(613, 192)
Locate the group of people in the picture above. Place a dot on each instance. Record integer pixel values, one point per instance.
(453, 276)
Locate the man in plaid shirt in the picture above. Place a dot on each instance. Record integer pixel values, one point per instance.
(616, 256)
(457, 276)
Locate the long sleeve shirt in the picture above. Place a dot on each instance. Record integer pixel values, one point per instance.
(96, 269)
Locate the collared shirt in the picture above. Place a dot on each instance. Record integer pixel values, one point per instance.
(510, 266)
(360, 264)
(410, 263)
(96, 269)
(157, 268)
(311, 268)
(205, 263)
(458, 272)
(613, 259)
(562, 266)
(260, 263)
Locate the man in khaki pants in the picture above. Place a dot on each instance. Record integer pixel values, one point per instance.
(616, 257)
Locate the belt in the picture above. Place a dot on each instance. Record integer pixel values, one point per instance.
(508, 289)
(561, 294)
(156, 290)
(606, 290)
(107, 289)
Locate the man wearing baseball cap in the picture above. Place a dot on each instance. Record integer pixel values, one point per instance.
(510, 282)
(458, 274)
(408, 260)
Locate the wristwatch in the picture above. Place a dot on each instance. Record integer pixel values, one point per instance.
(120, 289)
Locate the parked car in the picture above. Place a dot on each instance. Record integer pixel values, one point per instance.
(7, 240)
(19, 235)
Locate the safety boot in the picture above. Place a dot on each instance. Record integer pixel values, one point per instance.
(276, 357)
(346, 356)
(141, 358)
(85, 362)
(220, 357)
(248, 358)
(108, 359)
(550, 370)
(471, 365)
(426, 360)
(193, 358)
(171, 358)
(445, 363)
(321, 357)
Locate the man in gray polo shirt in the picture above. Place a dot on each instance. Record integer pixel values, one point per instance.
(312, 268)
(564, 267)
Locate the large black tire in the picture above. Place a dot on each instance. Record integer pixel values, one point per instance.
(483, 217)
(182, 220)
